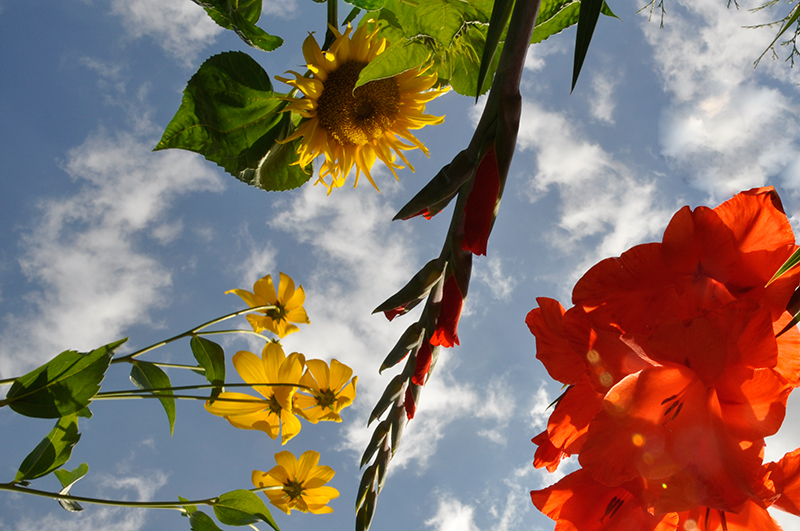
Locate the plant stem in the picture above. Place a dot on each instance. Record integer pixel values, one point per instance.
(193, 331)
(333, 21)
(179, 505)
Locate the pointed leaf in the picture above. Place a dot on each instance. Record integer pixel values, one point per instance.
(416, 288)
(790, 263)
(242, 507)
(380, 433)
(501, 11)
(442, 187)
(54, 450)
(587, 20)
(200, 521)
(64, 385)
(392, 392)
(146, 375)
(211, 357)
(231, 116)
(397, 58)
(187, 509)
(368, 5)
(407, 342)
(241, 16)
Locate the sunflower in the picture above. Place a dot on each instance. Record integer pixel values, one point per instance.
(353, 128)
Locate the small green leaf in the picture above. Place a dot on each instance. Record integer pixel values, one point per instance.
(52, 452)
(241, 16)
(398, 58)
(64, 385)
(242, 507)
(67, 480)
(200, 521)
(146, 375)
(231, 116)
(187, 509)
(211, 357)
(368, 5)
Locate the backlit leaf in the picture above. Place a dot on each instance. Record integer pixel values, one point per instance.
(211, 357)
(145, 375)
(242, 507)
(241, 16)
(62, 386)
(54, 450)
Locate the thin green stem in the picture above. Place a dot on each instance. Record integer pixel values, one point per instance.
(179, 505)
(192, 387)
(188, 333)
(232, 331)
(8, 381)
(178, 366)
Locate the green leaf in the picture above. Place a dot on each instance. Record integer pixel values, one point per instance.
(187, 509)
(443, 19)
(241, 16)
(67, 480)
(64, 385)
(211, 357)
(396, 59)
(558, 15)
(52, 452)
(242, 507)
(460, 63)
(200, 521)
(231, 116)
(278, 171)
(587, 21)
(501, 12)
(146, 375)
(369, 5)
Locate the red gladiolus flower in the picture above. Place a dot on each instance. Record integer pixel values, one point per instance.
(423, 364)
(481, 205)
(446, 332)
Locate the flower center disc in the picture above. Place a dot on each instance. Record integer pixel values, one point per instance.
(361, 116)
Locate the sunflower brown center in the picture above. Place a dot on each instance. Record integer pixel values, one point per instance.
(293, 489)
(361, 116)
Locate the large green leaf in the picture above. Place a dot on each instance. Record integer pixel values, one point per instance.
(398, 58)
(442, 20)
(278, 170)
(241, 16)
(369, 5)
(52, 452)
(231, 116)
(459, 64)
(211, 357)
(146, 375)
(64, 385)
(242, 507)
(557, 15)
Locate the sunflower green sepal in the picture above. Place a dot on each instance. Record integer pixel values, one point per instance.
(231, 115)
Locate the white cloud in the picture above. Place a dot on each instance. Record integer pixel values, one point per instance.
(286, 9)
(99, 518)
(725, 127)
(539, 410)
(601, 197)
(490, 272)
(82, 253)
(180, 27)
(452, 515)
(602, 103)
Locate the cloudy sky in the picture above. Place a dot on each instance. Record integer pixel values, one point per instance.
(105, 239)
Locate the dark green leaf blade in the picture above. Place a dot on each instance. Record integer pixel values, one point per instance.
(231, 116)
(501, 11)
(200, 521)
(63, 386)
(146, 375)
(242, 507)
(587, 21)
(241, 16)
(278, 170)
(211, 357)
(52, 452)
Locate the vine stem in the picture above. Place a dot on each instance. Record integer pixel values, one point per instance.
(147, 393)
(179, 505)
(192, 332)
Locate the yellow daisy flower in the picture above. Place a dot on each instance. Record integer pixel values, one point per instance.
(354, 128)
(274, 411)
(289, 302)
(331, 391)
(302, 481)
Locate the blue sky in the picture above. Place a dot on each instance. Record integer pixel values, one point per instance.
(105, 239)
